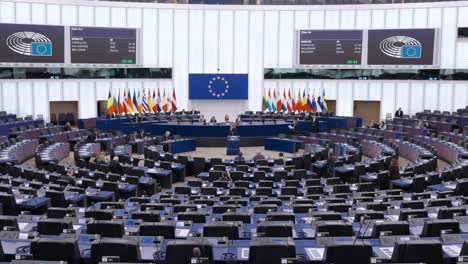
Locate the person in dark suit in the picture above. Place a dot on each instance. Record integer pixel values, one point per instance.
(315, 124)
(141, 135)
(213, 119)
(114, 166)
(133, 136)
(330, 164)
(394, 169)
(239, 157)
(374, 125)
(258, 156)
(399, 112)
(293, 127)
(233, 129)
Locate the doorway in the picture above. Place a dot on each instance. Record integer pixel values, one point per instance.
(331, 104)
(368, 110)
(63, 112)
(101, 108)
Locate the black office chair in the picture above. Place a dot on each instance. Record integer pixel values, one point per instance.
(178, 252)
(165, 229)
(53, 227)
(434, 228)
(265, 250)
(126, 250)
(106, 228)
(8, 204)
(237, 217)
(8, 221)
(275, 229)
(343, 252)
(449, 213)
(334, 229)
(410, 252)
(221, 229)
(397, 228)
(147, 216)
(99, 214)
(58, 212)
(56, 249)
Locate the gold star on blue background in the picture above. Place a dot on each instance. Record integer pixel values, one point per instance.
(218, 86)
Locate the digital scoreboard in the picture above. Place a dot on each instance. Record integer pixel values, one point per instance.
(330, 47)
(103, 45)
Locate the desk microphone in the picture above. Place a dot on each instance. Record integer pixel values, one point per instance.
(364, 217)
(196, 252)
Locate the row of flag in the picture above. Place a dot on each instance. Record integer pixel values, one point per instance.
(273, 101)
(142, 101)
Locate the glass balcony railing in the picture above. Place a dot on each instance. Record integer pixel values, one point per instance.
(281, 2)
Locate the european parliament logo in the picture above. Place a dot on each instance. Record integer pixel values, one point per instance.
(401, 47)
(218, 86)
(30, 44)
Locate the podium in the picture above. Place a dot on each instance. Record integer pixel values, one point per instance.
(233, 145)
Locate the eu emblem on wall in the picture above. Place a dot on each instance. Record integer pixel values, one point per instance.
(218, 86)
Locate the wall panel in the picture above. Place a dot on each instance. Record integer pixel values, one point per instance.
(317, 19)
(403, 96)
(388, 105)
(180, 72)
(445, 96)
(416, 97)
(25, 98)
(38, 14)
(86, 16)
(226, 41)
(69, 15)
(102, 16)
(41, 100)
(23, 13)
(286, 38)
(70, 90)
(271, 41)
(241, 42)
(150, 37)
(87, 101)
(345, 99)
(196, 35)
(7, 12)
(431, 95)
(10, 97)
(165, 38)
(361, 90)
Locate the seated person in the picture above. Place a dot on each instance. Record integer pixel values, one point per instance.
(293, 127)
(226, 118)
(93, 157)
(258, 156)
(133, 136)
(373, 124)
(141, 135)
(202, 119)
(238, 119)
(67, 127)
(101, 159)
(114, 166)
(213, 119)
(382, 125)
(239, 157)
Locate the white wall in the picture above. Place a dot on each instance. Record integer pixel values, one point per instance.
(238, 39)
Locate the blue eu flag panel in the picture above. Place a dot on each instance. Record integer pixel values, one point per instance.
(41, 49)
(411, 51)
(218, 86)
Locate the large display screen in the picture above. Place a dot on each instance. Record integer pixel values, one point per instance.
(31, 43)
(338, 47)
(103, 45)
(401, 47)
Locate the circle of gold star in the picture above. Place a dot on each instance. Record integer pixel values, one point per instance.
(223, 81)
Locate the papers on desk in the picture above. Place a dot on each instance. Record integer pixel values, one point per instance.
(23, 236)
(387, 251)
(182, 233)
(22, 226)
(315, 254)
(243, 253)
(452, 250)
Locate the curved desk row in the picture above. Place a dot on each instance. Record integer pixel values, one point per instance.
(55, 152)
(5, 128)
(446, 151)
(373, 149)
(19, 152)
(36, 132)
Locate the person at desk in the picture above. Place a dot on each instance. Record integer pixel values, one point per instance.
(226, 177)
(382, 125)
(202, 119)
(238, 119)
(293, 127)
(226, 118)
(394, 169)
(69, 177)
(330, 164)
(399, 112)
(167, 136)
(233, 129)
(239, 157)
(373, 124)
(315, 124)
(138, 118)
(213, 119)
(133, 136)
(427, 125)
(114, 166)
(67, 127)
(93, 157)
(101, 159)
(141, 135)
(258, 156)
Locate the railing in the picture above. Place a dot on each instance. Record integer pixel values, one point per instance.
(279, 2)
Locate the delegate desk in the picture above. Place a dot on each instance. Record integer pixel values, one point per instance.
(5, 128)
(138, 145)
(180, 145)
(87, 123)
(36, 132)
(8, 116)
(447, 151)
(108, 142)
(282, 144)
(374, 149)
(86, 150)
(19, 152)
(55, 152)
(438, 125)
(111, 124)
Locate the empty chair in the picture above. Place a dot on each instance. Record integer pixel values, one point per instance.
(8, 221)
(405, 214)
(367, 215)
(178, 252)
(147, 216)
(58, 212)
(178, 208)
(243, 217)
(397, 228)
(266, 250)
(280, 216)
(334, 229)
(166, 229)
(106, 228)
(99, 214)
(53, 227)
(198, 218)
(449, 213)
(434, 228)
(221, 229)
(412, 204)
(46, 249)
(410, 252)
(343, 252)
(275, 229)
(125, 250)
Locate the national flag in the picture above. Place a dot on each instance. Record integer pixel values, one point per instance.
(273, 101)
(119, 102)
(169, 101)
(151, 101)
(284, 102)
(298, 101)
(314, 104)
(289, 104)
(324, 100)
(309, 103)
(135, 102)
(304, 101)
(174, 102)
(158, 102)
(110, 103)
(128, 102)
(265, 102)
(164, 101)
(293, 103)
(139, 102)
(144, 102)
(279, 106)
(124, 102)
(116, 104)
(320, 107)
